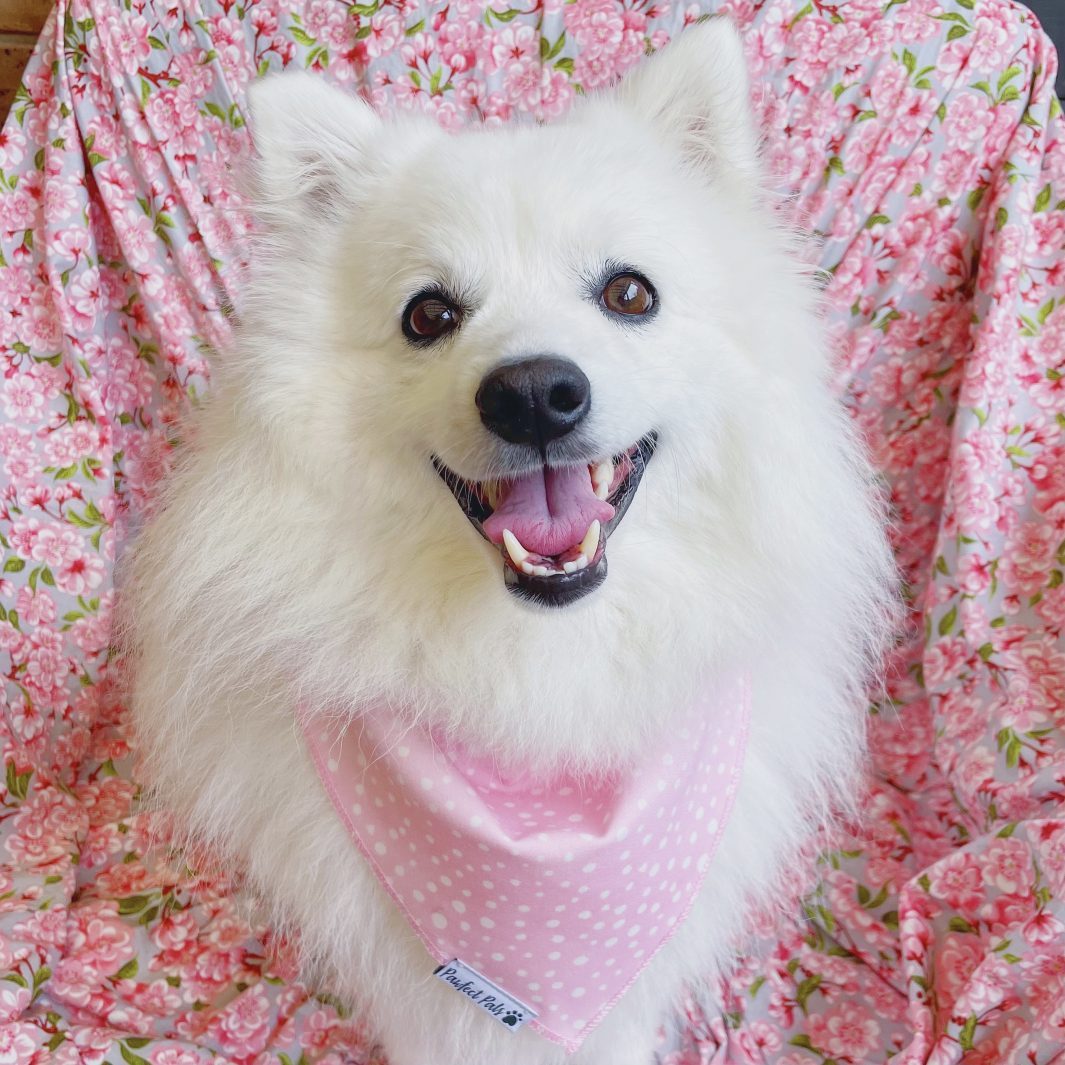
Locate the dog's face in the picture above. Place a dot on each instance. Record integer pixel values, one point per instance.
(540, 322)
(537, 337)
(518, 325)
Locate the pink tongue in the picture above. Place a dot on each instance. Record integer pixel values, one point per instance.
(548, 510)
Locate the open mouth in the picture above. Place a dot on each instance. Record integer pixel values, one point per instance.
(551, 524)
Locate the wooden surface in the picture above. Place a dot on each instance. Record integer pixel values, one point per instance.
(20, 22)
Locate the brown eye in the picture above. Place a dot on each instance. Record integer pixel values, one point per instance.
(429, 317)
(628, 294)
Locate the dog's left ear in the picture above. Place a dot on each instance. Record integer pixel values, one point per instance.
(696, 93)
(314, 143)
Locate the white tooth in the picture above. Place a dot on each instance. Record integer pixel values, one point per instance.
(513, 545)
(590, 543)
(602, 475)
(579, 563)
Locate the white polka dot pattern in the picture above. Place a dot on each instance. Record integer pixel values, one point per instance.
(559, 891)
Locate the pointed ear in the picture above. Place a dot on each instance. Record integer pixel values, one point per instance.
(313, 143)
(696, 92)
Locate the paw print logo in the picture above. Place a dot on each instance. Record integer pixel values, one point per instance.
(513, 1018)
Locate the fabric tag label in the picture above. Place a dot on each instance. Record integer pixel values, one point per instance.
(484, 994)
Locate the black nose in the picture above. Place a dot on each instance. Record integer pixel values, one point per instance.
(534, 401)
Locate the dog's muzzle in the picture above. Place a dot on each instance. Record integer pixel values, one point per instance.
(552, 523)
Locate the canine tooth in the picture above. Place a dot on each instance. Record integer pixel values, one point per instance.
(602, 476)
(591, 540)
(513, 545)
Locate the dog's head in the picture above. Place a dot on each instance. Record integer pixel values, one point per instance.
(518, 328)
(473, 368)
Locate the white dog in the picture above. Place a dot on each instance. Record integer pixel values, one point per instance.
(470, 369)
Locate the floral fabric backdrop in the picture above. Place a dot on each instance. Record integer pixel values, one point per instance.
(919, 138)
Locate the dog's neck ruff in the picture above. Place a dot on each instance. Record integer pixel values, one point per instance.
(560, 891)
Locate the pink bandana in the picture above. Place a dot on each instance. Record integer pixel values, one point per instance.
(540, 899)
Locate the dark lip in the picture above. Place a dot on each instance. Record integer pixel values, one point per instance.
(567, 588)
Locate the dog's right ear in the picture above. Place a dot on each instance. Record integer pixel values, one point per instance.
(313, 142)
(695, 92)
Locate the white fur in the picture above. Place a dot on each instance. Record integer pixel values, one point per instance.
(306, 548)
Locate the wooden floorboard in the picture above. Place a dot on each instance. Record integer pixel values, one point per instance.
(20, 22)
